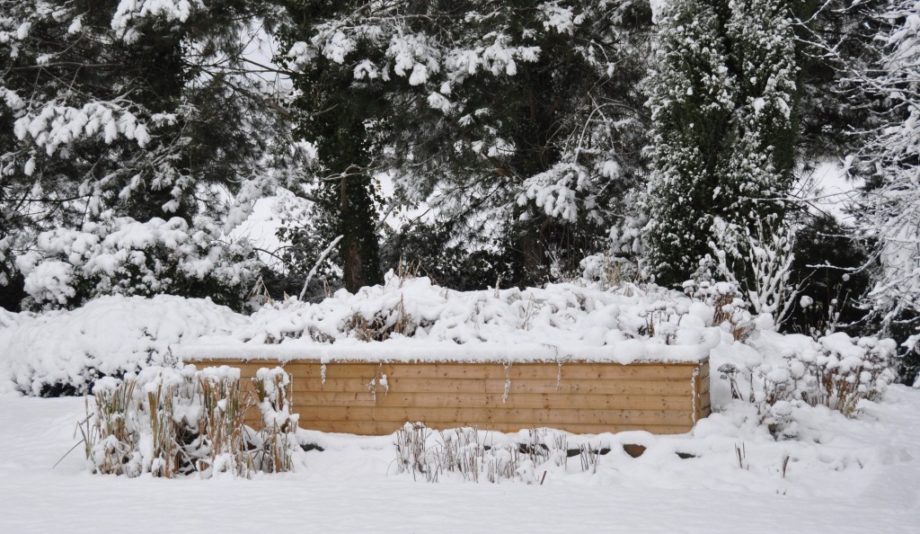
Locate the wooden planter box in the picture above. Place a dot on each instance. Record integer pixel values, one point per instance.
(578, 396)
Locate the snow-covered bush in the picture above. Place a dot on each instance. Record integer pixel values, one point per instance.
(127, 257)
(463, 452)
(64, 352)
(173, 421)
(759, 262)
(607, 271)
(778, 372)
(220, 424)
(278, 439)
(729, 309)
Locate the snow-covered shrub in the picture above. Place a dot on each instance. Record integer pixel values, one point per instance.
(729, 309)
(128, 257)
(464, 452)
(412, 453)
(136, 423)
(64, 352)
(169, 421)
(108, 443)
(633, 319)
(607, 271)
(850, 370)
(273, 387)
(382, 325)
(220, 425)
(777, 372)
(760, 263)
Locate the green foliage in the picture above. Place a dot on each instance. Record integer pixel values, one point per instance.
(723, 101)
(518, 123)
(830, 267)
(109, 111)
(835, 41)
(430, 250)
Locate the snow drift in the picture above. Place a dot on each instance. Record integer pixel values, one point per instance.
(66, 351)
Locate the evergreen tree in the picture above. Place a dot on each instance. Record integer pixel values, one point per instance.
(835, 39)
(345, 117)
(723, 103)
(116, 112)
(518, 124)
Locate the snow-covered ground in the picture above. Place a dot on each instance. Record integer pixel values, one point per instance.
(864, 477)
(841, 474)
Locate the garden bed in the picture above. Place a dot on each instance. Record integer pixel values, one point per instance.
(373, 397)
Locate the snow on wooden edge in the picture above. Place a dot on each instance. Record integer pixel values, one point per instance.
(407, 350)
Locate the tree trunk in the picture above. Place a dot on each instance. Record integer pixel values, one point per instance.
(359, 247)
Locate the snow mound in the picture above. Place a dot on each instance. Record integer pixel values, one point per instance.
(8, 318)
(412, 319)
(108, 336)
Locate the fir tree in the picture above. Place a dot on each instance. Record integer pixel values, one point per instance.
(723, 103)
(116, 112)
(518, 123)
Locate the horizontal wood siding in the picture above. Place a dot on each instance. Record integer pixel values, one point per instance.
(582, 397)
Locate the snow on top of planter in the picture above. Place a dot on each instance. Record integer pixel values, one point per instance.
(412, 319)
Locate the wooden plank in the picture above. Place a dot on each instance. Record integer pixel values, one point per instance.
(303, 402)
(706, 402)
(703, 404)
(269, 362)
(587, 387)
(580, 371)
(529, 371)
(486, 416)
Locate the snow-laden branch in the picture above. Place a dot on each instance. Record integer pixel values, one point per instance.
(319, 261)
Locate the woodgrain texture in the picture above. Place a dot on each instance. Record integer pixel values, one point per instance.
(583, 397)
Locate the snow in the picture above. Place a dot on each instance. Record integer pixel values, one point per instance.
(416, 321)
(56, 125)
(558, 18)
(841, 474)
(831, 191)
(848, 476)
(8, 318)
(262, 224)
(113, 334)
(338, 46)
(556, 323)
(169, 10)
(50, 281)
